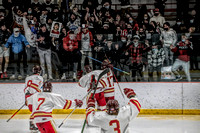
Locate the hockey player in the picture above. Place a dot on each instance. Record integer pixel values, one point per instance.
(105, 88)
(115, 120)
(33, 84)
(42, 105)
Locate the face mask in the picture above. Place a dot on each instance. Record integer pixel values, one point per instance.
(155, 50)
(136, 44)
(16, 32)
(166, 29)
(107, 7)
(192, 21)
(131, 22)
(183, 40)
(141, 33)
(145, 17)
(178, 23)
(29, 12)
(123, 40)
(156, 14)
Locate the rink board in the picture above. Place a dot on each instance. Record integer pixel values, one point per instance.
(155, 98)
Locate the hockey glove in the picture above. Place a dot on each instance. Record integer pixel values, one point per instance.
(129, 92)
(79, 103)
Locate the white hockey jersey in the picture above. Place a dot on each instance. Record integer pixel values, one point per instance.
(114, 123)
(106, 83)
(33, 84)
(43, 104)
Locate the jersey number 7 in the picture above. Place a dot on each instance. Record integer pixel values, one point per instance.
(117, 128)
(40, 99)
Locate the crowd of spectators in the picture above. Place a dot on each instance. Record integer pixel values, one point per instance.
(134, 44)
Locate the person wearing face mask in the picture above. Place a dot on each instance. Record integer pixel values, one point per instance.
(160, 20)
(135, 52)
(85, 39)
(168, 37)
(183, 49)
(106, 7)
(177, 26)
(156, 58)
(71, 54)
(16, 41)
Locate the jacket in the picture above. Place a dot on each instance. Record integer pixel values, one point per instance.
(16, 43)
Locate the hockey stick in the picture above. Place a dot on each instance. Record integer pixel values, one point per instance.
(116, 80)
(16, 112)
(113, 67)
(77, 106)
(93, 84)
(100, 75)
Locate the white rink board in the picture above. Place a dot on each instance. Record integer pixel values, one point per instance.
(151, 95)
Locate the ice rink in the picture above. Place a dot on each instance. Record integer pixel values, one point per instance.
(142, 124)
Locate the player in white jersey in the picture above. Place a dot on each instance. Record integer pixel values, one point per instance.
(105, 88)
(115, 120)
(42, 105)
(33, 84)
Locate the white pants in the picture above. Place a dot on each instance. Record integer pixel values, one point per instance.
(186, 68)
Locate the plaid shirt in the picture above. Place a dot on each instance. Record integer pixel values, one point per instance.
(137, 52)
(157, 59)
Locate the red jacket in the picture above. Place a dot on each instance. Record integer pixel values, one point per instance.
(183, 50)
(68, 42)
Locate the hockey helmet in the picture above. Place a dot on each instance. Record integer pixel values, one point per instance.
(47, 86)
(112, 107)
(88, 68)
(105, 64)
(36, 69)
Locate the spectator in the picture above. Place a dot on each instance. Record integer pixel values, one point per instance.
(86, 42)
(156, 58)
(135, 52)
(119, 21)
(17, 41)
(193, 37)
(18, 18)
(168, 37)
(48, 4)
(4, 35)
(106, 8)
(99, 49)
(193, 19)
(183, 50)
(56, 15)
(177, 26)
(31, 36)
(91, 4)
(74, 23)
(160, 4)
(70, 44)
(160, 20)
(117, 35)
(43, 16)
(44, 50)
(56, 52)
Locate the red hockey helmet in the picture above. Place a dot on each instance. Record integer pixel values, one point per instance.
(36, 69)
(47, 86)
(112, 107)
(106, 64)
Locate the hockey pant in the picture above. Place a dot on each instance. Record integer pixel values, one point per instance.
(47, 127)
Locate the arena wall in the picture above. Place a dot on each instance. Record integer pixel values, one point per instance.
(155, 98)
